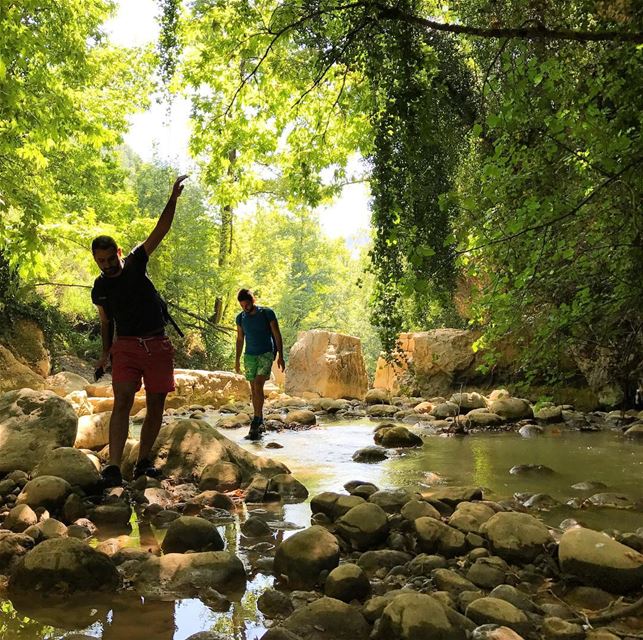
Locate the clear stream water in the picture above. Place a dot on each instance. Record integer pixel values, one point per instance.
(321, 459)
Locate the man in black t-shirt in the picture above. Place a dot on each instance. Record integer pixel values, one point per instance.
(129, 304)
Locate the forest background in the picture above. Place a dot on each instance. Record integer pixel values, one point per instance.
(500, 140)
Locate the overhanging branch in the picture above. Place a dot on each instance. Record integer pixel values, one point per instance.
(538, 31)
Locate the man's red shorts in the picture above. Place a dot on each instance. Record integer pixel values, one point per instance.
(151, 359)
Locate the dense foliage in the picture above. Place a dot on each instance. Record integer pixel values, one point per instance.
(503, 165)
(501, 141)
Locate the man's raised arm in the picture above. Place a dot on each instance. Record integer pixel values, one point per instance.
(165, 220)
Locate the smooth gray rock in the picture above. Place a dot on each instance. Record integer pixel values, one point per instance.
(433, 536)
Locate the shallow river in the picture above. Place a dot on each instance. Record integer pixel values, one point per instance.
(321, 459)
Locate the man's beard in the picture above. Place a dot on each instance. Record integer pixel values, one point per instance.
(111, 271)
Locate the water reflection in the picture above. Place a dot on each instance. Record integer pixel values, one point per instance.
(130, 617)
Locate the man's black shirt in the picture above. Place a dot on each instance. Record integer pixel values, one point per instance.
(130, 299)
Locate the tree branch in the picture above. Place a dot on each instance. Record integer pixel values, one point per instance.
(216, 327)
(540, 31)
(60, 284)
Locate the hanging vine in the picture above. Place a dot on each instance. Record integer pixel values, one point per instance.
(422, 107)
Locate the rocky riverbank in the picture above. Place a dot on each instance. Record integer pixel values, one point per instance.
(374, 563)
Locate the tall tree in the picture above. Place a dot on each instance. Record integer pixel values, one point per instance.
(65, 98)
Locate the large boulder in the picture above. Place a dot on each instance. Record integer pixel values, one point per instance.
(416, 616)
(468, 401)
(184, 448)
(80, 402)
(304, 555)
(334, 504)
(186, 574)
(436, 358)
(209, 387)
(328, 619)
(100, 389)
(17, 375)
(392, 500)
(371, 562)
(93, 431)
(377, 396)
(600, 561)
(289, 488)
(64, 565)
(397, 436)
(328, 364)
(49, 492)
(71, 465)
(32, 424)
(300, 416)
(516, 537)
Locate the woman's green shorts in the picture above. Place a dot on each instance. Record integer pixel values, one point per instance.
(260, 365)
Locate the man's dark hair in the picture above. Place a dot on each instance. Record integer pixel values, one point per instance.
(245, 294)
(103, 243)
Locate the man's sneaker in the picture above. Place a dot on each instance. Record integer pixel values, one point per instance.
(145, 468)
(111, 475)
(256, 429)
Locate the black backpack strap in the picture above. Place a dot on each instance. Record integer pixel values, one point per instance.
(176, 326)
(168, 316)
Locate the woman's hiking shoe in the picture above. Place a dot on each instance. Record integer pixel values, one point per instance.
(145, 468)
(256, 429)
(112, 476)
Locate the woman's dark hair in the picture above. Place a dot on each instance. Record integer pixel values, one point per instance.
(103, 243)
(245, 294)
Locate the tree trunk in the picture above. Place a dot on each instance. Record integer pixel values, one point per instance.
(225, 244)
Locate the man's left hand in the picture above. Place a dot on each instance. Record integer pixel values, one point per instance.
(280, 363)
(177, 188)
